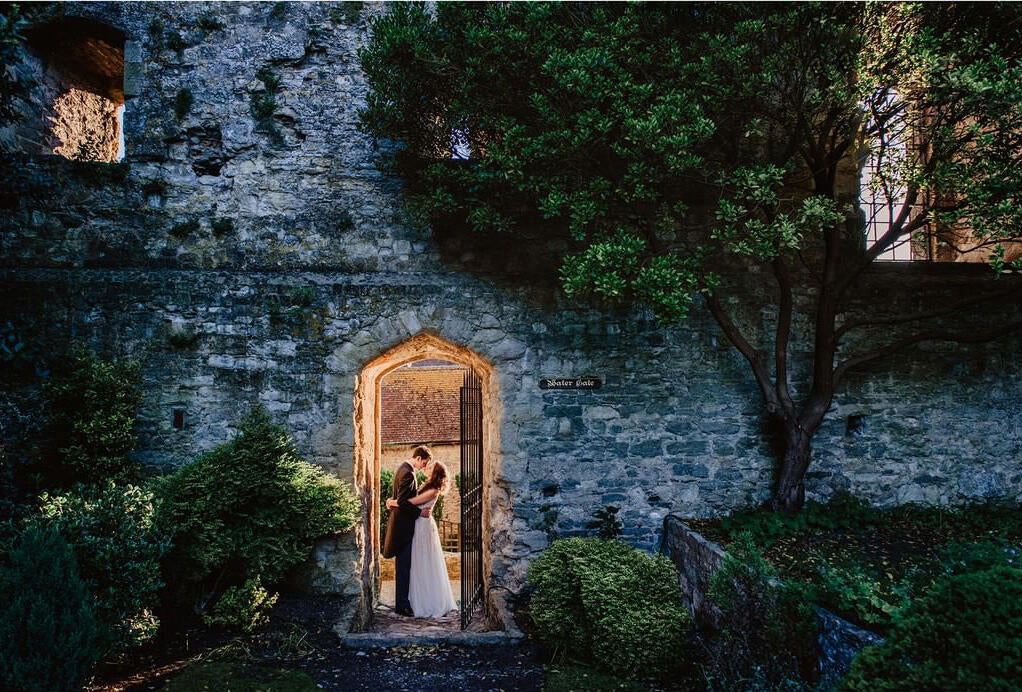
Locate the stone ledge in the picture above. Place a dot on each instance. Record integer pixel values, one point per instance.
(363, 640)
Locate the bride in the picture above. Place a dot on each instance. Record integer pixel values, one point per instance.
(429, 590)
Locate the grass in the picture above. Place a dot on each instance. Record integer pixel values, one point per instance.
(214, 676)
(570, 678)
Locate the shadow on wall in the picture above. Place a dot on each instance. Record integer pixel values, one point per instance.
(77, 103)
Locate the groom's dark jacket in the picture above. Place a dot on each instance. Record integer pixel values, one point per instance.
(401, 521)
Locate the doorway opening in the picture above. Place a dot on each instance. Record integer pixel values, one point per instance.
(419, 406)
(429, 392)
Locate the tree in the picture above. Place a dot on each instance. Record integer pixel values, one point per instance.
(669, 142)
(14, 85)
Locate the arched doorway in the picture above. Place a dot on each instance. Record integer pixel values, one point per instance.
(483, 436)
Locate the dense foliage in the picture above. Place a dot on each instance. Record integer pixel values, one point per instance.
(964, 634)
(606, 523)
(661, 143)
(14, 86)
(49, 634)
(386, 488)
(866, 563)
(112, 532)
(242, 607)
(767, 629)
(249, 509)
(92, 407)
(602, 601)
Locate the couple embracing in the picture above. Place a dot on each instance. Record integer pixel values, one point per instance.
(422, 588)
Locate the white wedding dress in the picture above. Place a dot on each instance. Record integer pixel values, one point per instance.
(429, 590)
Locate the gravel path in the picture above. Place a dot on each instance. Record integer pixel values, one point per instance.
(415, 667)
(428, 668)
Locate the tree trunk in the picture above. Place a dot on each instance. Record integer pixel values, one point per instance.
(790, 492)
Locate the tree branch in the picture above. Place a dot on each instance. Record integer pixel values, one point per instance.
(752, 355)
(951, 307)
(894, 347)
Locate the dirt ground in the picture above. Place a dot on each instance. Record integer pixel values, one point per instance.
(300, 637)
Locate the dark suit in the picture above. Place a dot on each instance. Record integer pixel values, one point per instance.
(400, 528)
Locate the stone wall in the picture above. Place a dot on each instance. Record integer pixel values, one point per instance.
(697, 558)
(318, 272)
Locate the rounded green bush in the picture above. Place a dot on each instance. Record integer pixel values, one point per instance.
(604, 601)
(965, 633)
(112, 532)
(251, 507)
(49, 635)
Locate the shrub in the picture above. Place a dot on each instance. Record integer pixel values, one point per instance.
(184, 229)
(386, 488)
(250, 507)
(183, 103)
(111, 530)
(606, 522)
(92, 408)
(842, 512)
(49, 635)
(606, 602)
(175, 41)
(438, 508)
(222, 226)
(766, 636)
(855, 592)
(347, 13)
(965, 633)
(242, 607)
(962, 557)
(209, 22)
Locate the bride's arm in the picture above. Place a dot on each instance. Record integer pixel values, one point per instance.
(420, 499)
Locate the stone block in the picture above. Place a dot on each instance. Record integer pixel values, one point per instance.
(692, 470)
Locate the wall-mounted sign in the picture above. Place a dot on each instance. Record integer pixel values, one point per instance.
(570, 383)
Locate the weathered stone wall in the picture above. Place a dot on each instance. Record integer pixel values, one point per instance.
(319, 272)
(697, 558)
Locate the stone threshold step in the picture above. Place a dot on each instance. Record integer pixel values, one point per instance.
(360, 640)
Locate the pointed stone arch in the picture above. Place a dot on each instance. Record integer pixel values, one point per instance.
(367, 445)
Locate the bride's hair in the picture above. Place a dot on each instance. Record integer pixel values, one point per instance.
(437, 479)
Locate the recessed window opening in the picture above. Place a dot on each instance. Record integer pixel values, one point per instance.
(77, 105)
(882, 188)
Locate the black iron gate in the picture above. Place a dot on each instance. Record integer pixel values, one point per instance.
(471, 486)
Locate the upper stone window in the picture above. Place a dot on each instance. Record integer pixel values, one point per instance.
(881, 181)
(77, 103)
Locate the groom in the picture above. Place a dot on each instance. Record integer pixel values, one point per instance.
(401, 525)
